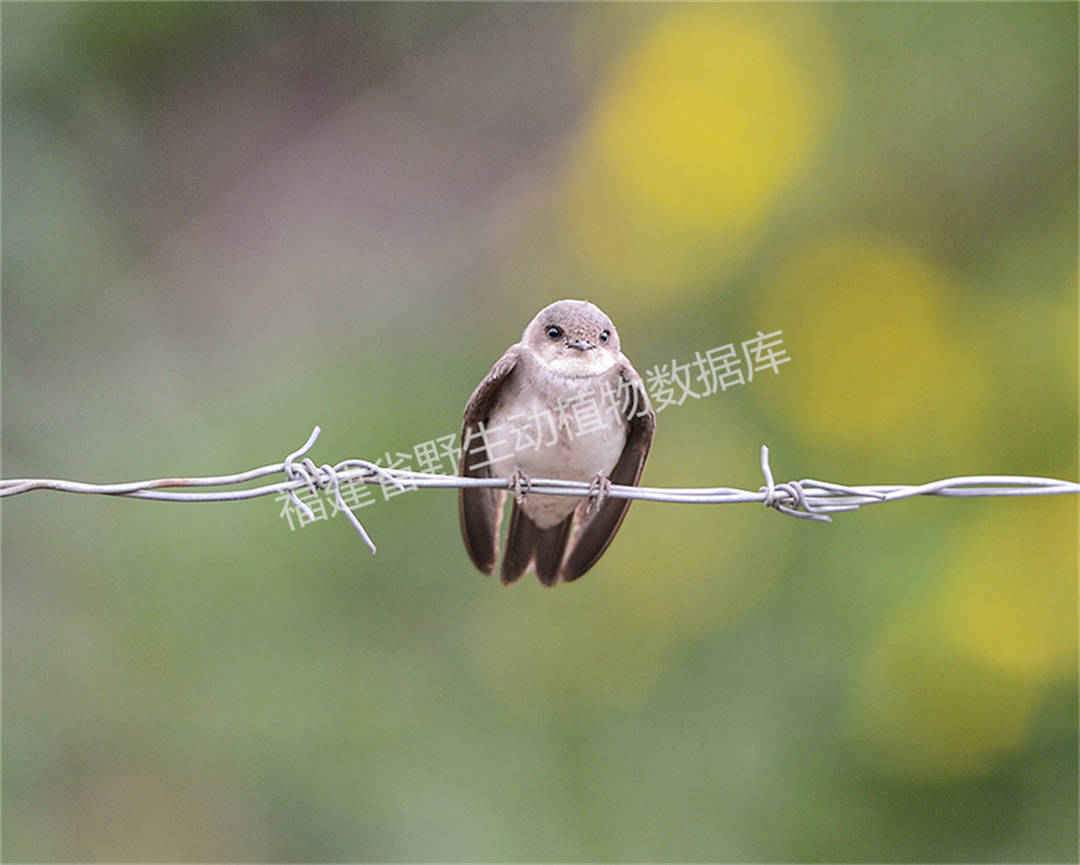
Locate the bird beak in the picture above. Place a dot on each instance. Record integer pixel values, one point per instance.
(581, 345)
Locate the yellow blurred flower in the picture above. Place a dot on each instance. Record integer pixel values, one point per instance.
(956, 682)
(1011, 600)
(923, 710)
(697, 131)
(879, 352)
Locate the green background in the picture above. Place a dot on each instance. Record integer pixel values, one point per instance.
(224, 224)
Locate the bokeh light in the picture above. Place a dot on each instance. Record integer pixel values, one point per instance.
(697, 129)
(893, 355)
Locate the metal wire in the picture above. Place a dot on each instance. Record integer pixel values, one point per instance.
(806, 499)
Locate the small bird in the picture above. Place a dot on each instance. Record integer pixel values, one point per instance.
(564, 402)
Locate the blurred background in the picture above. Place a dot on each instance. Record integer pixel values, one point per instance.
(225, 223)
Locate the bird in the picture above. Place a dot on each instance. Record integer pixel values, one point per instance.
(563, 402)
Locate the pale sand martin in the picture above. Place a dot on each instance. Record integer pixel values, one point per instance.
(564, 402)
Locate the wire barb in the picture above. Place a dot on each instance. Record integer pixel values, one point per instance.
(806, 499)
(320, 477)
(787, 498)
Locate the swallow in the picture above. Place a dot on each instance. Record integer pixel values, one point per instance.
(565, 403)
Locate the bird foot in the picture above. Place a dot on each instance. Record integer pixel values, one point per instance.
(520, 483)
(599, 490)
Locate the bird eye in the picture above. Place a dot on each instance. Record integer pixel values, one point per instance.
(554, 332)
(604, 335)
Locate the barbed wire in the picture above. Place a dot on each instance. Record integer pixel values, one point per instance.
(808, 498)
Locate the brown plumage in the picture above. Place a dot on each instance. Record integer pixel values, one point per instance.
(568, 359)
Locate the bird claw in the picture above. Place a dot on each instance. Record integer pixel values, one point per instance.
(599, 490)
(520, 483)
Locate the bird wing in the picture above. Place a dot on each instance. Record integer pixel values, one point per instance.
(597, 532)
(481, 509)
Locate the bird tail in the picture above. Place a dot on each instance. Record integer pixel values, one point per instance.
(527, 543)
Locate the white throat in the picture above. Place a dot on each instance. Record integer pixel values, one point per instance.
(579, 364)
